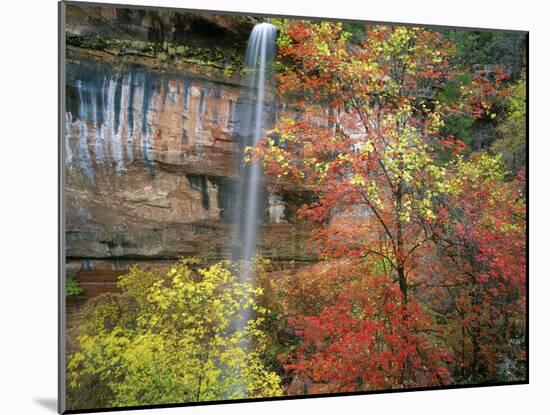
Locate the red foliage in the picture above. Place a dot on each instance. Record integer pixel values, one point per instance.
(443, 296)
(481, 267)
(369, 339)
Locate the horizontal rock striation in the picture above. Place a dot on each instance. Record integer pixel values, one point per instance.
(151, 157)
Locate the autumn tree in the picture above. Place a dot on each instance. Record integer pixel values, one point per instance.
(374, 163)
(368, 339)
(378, 154)
(478, 277)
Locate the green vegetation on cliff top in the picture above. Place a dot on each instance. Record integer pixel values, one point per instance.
(226, 59)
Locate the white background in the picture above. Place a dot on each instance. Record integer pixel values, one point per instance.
(28, 205)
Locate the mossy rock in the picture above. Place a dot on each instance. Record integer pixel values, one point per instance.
(227, 59)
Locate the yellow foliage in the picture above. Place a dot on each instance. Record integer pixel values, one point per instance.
(191, 334)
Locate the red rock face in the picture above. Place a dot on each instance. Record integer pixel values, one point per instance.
(120, 116)
(151, 160)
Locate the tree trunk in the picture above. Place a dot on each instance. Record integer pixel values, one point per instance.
(402, 283)
(399, 244)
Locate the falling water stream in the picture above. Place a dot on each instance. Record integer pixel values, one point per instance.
(259, 53)
(253, 119)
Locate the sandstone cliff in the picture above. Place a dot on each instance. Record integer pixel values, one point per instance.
(152, 141)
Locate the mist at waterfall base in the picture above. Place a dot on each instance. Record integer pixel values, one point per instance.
(254, 119)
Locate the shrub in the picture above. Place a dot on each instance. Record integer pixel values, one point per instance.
(192, 334)
(72, 287)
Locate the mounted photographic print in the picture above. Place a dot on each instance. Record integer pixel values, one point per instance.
(259, 207)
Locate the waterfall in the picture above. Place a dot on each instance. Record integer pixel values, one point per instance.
(260, 52)
(252, 120)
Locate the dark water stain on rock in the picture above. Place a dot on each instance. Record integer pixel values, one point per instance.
(201, 183)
